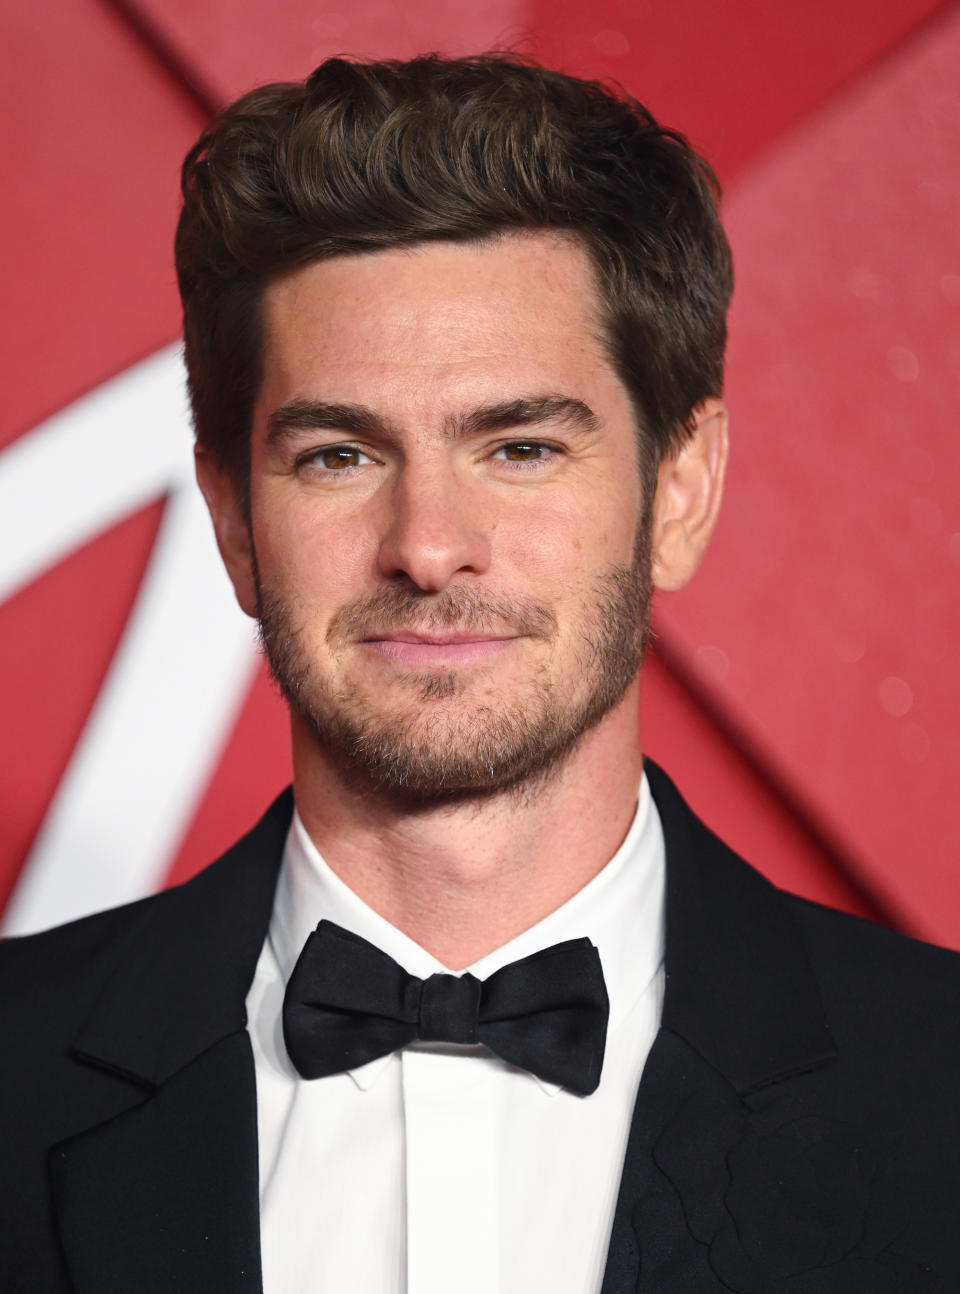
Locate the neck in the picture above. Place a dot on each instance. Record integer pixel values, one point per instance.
(464, 878)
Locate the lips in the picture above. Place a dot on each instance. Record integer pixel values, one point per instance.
(437, 639)
(436, 648)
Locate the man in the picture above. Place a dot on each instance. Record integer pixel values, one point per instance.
(483, 1006)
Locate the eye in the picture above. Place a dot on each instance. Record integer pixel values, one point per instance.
(335, 458)
(338, 456)
(524, 451)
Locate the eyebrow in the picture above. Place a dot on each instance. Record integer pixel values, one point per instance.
(526, 411)
(319, 415)
(357, 419)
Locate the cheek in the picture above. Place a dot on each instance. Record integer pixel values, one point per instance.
(567, 545)
(311, 557)
(534, 548)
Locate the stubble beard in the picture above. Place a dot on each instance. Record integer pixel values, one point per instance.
(442, 746)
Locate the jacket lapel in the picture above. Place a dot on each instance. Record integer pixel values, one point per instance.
(742, 1016)
(163, 1192)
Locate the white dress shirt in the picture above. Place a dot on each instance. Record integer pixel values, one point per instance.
(441, 1167)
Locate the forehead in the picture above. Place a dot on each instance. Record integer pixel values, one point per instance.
(515, 310)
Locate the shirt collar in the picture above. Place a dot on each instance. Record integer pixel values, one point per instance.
(620, 910)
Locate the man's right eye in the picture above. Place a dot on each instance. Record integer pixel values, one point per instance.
(337, 458)
(340, 457)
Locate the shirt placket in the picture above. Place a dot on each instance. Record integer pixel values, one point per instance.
(451, 1180)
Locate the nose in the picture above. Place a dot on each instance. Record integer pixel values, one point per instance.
(433, 531)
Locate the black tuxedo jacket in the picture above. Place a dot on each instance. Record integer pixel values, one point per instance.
(797, 1128)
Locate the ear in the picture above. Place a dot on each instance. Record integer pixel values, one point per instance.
(231, 526)
(689, 490)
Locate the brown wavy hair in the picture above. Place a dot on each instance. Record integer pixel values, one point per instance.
(369, 155)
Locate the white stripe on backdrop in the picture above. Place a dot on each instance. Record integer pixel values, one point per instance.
(183, 666)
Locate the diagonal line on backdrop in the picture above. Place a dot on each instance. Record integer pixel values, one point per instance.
(159, 40)
(841, 855)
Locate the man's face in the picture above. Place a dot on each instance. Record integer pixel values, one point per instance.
(449, 549)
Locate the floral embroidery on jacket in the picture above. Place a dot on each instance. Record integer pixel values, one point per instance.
(779, 1202)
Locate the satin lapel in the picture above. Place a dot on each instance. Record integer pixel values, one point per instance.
(162, 1193)
(742, 1014)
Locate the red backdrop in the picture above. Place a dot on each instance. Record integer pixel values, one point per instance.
(803, 691)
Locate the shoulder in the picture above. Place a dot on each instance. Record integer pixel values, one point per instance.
(848, 941)
(50, 980)
(874, 978)
(849, 952)
(742, 948)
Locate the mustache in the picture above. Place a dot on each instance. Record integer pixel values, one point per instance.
(455, 610)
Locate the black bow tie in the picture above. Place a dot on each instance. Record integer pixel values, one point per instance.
(348, 1003)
